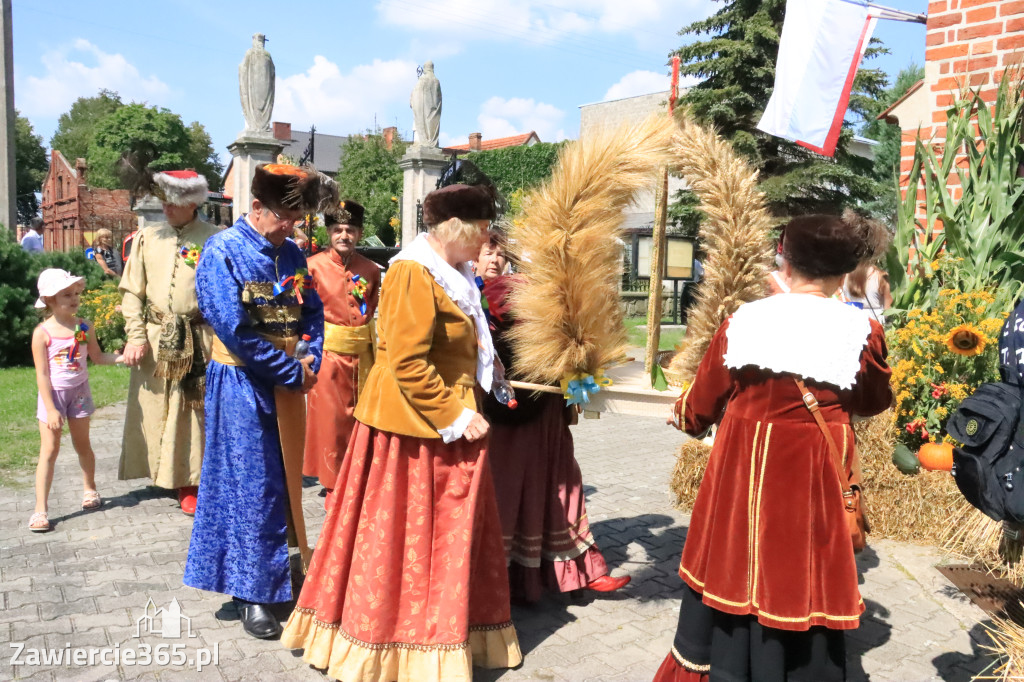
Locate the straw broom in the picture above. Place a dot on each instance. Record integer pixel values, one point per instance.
(566, 306)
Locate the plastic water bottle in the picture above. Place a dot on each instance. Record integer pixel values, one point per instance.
(505, 394)
(302, 347)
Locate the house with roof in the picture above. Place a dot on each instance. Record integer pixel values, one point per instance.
(320, 149)
(478, 144)
(966, 44)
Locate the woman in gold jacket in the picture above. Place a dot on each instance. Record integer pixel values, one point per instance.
(408, 580)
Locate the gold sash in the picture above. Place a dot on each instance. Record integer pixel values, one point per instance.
(291, 428)
(358, 341)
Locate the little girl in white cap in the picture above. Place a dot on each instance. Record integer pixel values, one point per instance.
(59, 347)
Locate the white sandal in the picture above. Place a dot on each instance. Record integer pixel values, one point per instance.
(34, 523)
(91, 500)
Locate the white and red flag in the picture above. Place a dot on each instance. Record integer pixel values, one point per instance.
(822, 44)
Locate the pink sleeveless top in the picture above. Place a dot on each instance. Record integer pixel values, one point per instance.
(64, 372)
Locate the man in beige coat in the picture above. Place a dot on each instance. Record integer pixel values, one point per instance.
(168, 343)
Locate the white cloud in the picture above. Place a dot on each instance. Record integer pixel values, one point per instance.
(637, 83)
(346, 102)
(500, 117)
(644, 83)
(541, 21)
(82, 70)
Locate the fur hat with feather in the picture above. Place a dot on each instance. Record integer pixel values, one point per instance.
(302, 188)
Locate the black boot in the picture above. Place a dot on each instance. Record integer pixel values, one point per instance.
(257, 620)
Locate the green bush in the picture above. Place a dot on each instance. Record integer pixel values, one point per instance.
(18, 274)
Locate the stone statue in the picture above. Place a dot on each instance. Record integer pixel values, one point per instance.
(256, 87)
(426, 108)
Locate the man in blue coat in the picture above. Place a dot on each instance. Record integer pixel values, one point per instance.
(254, 291)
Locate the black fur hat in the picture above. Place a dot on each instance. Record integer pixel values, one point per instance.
(347, 212)
(466, 202)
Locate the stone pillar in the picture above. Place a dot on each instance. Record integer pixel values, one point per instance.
(149, 210)
(248, 151)
(421, 167)
(8, 195)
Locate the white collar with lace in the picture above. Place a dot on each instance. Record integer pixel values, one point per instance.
(815, 338)
(460, 285)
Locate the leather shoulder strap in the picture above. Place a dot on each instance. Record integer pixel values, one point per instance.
(812, 405)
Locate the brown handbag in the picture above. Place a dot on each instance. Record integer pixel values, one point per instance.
(853, 498)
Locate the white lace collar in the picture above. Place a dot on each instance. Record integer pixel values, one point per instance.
(460, 285)
(815, 338)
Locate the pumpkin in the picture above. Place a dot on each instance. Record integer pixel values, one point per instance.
(936, 456)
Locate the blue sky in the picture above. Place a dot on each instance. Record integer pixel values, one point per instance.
(505, 66)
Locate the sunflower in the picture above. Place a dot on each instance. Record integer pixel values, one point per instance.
(965, 340)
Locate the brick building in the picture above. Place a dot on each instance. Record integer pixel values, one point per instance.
(73, 211)
(968, 43)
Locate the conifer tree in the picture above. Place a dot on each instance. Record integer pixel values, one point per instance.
(735, 54)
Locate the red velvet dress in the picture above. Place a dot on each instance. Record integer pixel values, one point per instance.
(330, 408)
(768, 540)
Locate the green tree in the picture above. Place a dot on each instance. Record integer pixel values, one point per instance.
(201, 155)
(76, 127)
(735, 55)
(517, 168)
(31, 166)
(370, 175)
(154, 137)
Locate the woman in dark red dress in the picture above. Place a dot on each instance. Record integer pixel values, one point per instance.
(771, 583)
(548, 542)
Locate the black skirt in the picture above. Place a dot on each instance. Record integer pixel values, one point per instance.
(730, 648)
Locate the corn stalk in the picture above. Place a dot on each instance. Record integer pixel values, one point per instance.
(982, 233)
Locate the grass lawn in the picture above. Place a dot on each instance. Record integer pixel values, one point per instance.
(19, 430)
(638, 337)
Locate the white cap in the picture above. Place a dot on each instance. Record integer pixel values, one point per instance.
(52, 281)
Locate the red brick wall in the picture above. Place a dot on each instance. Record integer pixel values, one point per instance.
(72, 212)
(61, 230)
(968, 43)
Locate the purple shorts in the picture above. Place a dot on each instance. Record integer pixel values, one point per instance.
(72, 403)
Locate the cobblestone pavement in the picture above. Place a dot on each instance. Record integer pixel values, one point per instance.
(85, 584)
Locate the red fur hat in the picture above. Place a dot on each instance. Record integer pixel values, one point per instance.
(466, 202)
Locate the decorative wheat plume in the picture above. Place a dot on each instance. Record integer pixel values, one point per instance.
(567, 306)
(735, 236)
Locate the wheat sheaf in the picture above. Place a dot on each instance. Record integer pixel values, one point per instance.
(567, 303)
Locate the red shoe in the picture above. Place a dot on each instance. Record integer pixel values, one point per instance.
(187, 499)
(606, 583)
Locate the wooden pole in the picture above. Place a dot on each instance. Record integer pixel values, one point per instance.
(658, 247)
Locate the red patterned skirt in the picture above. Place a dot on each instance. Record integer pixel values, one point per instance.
(408, 580)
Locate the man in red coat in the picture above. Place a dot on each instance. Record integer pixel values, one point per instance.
(349, 285)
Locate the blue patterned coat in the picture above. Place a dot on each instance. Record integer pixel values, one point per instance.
(239, 538)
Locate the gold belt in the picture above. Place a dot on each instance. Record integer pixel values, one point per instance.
(349, 340)
(357, 341)
(221, 354)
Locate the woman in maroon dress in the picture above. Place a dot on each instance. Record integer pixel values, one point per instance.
(548, 542)
(771, 583)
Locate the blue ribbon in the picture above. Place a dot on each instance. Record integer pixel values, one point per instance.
(579, 390)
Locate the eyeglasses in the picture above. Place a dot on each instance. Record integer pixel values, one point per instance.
(279, 218)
